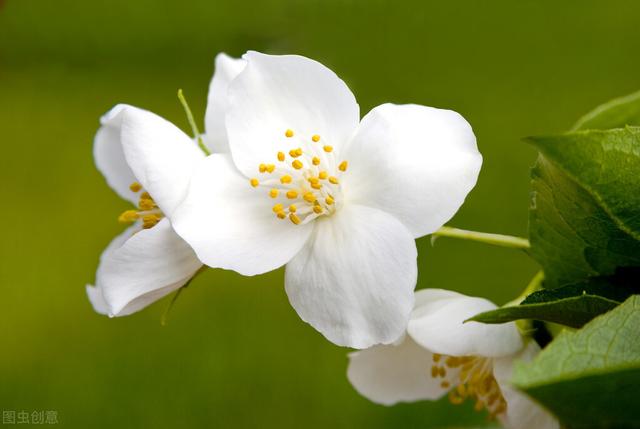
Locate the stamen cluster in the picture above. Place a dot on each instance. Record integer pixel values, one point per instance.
(147, 210)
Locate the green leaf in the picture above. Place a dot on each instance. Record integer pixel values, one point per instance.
(617, 113)
(589, 378)
(571, 305)
(584, 219)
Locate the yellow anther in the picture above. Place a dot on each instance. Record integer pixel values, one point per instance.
(262, 168)
(323, 175)
(329, 200)
(294, 218)
(273, 193)
(135, 187)
(315, 138)
(317, 209)
(315, 160)
(292, 194)
(292, 208)
(333, 180)
(288, 133)
(145, 196)
(294, 153)
(285, 179)
(316, 185)
(281, 215)
(309, 197)
(327, 148)
(436, 357)
(445, 385)
(254, 182)
(280, 156)
(270, 168)
(313, 180)
(462, 390)
(434, 371)
(343, 166)
(442, 372)
(149, 221)
(455, 399)
(146, 204)
(296, 164)
(128, 216)
(278, 208)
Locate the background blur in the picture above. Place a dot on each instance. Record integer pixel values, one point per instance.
(234, 353)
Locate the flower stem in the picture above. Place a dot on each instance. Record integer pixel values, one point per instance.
(483, 237)
(192, 122)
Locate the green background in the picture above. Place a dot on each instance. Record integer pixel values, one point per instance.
(234, 353)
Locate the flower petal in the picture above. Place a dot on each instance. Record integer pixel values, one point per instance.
(425, 162)
(437, 324)
(109, 156)
(231, 225)
(522, 411)
(354, 279)
(276, 93)
(226, 69)
(147, 266)
(395, 373)
(160, 155)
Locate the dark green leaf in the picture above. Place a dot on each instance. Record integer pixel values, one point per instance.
(617, 113)
(572, 305)
(589, 378)
(585, 214)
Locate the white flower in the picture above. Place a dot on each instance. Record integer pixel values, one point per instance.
(149, 162)
(441, 354)
(338, 200)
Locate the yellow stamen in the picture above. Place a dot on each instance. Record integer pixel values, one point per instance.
(445, 385)
(333, 180)
(278, 208)
(270, 168)
(285, 179)
(294, 218)
(146, 204)
(292, 194)
(128, 216)
(254, 182)
(294, 153)
(149, 221)
(296, 164)
(262, 168)
(327, 148)
(315, 138)
(315, 160)
(317, 209)
(292, 208)
(280, 156)
(145, 196)
(274, 193)
(436, 357)
(135, 187)
(329, 200)
(288, 133)
(316, 185)
(323, 175)
(281, 215)
(309, 197)
(313, 180)
(343, 166)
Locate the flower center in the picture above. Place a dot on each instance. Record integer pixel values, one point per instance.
(303, 184)
(147, 210)
(475, 381)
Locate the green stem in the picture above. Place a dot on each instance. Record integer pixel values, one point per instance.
(192, 122)
(483, 237)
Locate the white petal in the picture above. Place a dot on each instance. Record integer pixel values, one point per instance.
(147, 266)
(415, 162)
(231, 225)
(94, 293)
(354, 279)
(437, 324)
(226, 69)
(109, 156)
(395, 373)
(522, 411)
(160, 155)
(276, 93)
